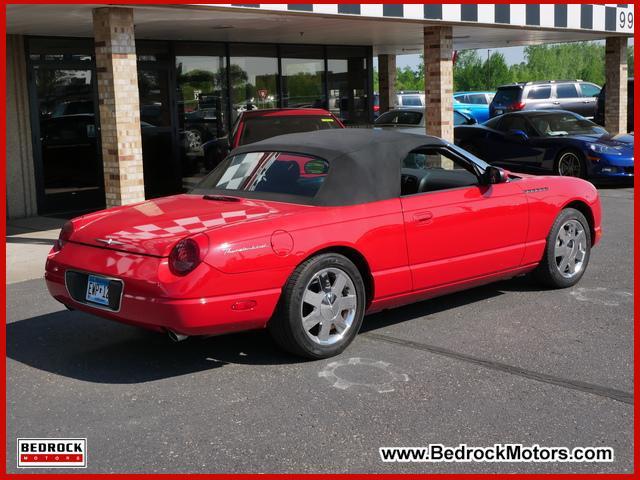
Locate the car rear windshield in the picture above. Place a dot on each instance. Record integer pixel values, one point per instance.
(507, 95)
(261, 128)
(272, 172)
(399, 118)
(411, 101)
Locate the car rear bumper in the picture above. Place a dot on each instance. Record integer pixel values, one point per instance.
(144, 301)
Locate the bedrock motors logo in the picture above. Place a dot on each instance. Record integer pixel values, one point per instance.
(52, 453)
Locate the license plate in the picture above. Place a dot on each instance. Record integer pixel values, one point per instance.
(499, 112)
(98, 290)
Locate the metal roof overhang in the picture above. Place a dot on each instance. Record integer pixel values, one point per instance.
(216, 23)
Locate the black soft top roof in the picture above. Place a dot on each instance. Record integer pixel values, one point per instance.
(364, 164)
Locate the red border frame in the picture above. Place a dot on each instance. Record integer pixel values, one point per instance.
(3, 418)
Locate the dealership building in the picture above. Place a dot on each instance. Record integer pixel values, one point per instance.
(109, 105)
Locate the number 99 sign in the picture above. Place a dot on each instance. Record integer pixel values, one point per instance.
(626, 20)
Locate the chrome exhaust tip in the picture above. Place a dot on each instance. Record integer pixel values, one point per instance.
(176, 337)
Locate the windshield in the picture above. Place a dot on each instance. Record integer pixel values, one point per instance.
(559, 125)
(273, 172)
(399, 118)
(411, 101)
(261, 128)
(507, 96)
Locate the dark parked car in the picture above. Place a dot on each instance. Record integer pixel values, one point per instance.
(554, 140)
(572, 95)
(599, 119)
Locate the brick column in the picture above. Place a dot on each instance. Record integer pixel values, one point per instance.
(615, 107)
(387, 81)
(438, 79)
(117, 76)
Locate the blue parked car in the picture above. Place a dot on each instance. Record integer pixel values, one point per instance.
(543, 141)
(474, 104)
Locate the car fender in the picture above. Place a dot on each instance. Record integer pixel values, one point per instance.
(547, 197)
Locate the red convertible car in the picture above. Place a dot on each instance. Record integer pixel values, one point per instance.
(305, 233)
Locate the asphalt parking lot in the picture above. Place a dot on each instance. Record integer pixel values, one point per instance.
(505, 363)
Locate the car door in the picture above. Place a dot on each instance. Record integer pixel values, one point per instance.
(568, 98)
(514, 150)
(456, 229)
(589, 93)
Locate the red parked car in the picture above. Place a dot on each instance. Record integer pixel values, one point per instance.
(255, 125)
(305, 233)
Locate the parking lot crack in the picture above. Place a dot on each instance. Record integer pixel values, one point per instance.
(593, 389)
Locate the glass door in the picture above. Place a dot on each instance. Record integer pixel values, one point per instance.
(68, 153)
(202, 104)
(161, 171)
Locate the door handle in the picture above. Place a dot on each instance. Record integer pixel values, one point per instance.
(423, 217)
(556, 103)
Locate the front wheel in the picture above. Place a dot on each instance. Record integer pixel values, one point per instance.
(321, 308)
(570, 164)
(568, 249)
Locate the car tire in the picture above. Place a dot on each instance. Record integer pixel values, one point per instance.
(321, 307)
(570, 163)
(570, 240)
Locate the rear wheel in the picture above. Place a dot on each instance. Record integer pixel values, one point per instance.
(321, 307)
(568, 249)
(570, 164)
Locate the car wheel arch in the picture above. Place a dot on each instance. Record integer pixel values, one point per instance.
(585, 209)
(358, 260)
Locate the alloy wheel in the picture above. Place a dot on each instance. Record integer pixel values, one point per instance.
(570, 248)
(328, 307)
(569, 165)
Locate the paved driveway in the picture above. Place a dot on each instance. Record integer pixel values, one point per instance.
(505, 363)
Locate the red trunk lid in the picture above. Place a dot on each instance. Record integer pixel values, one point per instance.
(154, 226)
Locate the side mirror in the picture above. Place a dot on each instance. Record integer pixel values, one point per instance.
(517, 136)
(493, 175)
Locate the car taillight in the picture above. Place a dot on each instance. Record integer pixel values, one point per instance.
(376, 108)
(517, 106)
(187, 254)
(65, 235)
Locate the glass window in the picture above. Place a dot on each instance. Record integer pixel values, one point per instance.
(433, 169)
(152, 52)
(516, 122)
(202, 108)
(302, 77)
(459, 119)
(269, 172)
(71, 162)
(539, 93)
(566, 90)
(562, 124)
(347, 83)
(399, 118)
(477, 99)
(48, 50)
(254, 78)
(153, 88)
(258, 128)
(589, 90)
(507, 95)
(411, 101)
